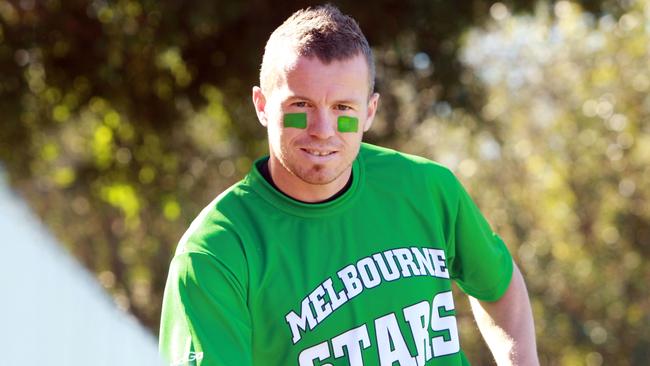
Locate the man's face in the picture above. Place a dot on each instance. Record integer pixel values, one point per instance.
(319, 156)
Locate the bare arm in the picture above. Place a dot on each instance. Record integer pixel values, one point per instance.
(507, 325)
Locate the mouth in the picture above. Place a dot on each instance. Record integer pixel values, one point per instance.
(318, 152)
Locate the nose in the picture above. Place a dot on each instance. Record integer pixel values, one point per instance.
(320, 125)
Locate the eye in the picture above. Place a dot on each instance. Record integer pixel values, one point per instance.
(299, 104)
(343, 107)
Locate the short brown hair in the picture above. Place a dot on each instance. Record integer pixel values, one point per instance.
(321, 31)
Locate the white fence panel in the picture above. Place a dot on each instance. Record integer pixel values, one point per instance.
(52, 310)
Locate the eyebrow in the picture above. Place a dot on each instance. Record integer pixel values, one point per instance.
(345, 101)
(341, 101)
(293, 97)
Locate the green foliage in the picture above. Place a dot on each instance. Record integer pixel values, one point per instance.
(558, 159)
(122, 119)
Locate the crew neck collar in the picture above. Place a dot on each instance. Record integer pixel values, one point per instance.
(298, 208)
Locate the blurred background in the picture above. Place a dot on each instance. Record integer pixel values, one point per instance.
(120, 120)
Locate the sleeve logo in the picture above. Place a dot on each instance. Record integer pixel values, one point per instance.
(189, 360)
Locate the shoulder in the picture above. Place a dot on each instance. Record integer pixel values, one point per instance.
(214, 231)
(390, 165)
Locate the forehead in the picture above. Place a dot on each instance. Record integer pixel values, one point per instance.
(313, 78)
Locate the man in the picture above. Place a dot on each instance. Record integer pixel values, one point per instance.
(334, 252)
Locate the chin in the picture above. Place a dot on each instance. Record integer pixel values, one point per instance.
(318, 178)
(319, 175)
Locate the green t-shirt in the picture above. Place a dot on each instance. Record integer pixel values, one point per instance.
(365, 279)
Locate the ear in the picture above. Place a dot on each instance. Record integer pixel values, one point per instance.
(372, 109)
(259, 101)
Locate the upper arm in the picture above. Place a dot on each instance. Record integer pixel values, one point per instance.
(205, 314)
(507, 324)
(480, 261)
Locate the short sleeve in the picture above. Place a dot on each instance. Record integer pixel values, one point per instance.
(205, 319)
(481, 263)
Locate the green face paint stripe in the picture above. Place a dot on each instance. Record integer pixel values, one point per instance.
(348, 124)
(295, 120)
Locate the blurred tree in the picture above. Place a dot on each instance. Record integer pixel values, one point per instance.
(121, 119)
(559, 160)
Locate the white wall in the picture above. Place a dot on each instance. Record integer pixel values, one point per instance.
(53, 311)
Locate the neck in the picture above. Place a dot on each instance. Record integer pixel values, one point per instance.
(298, 189)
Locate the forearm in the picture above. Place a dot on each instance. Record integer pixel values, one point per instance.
(507, 325)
